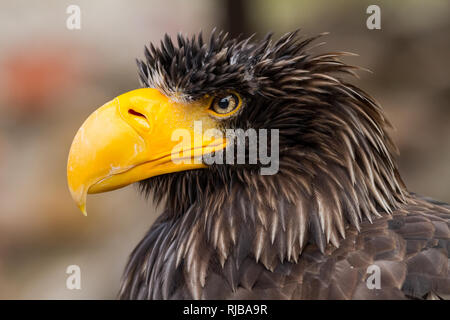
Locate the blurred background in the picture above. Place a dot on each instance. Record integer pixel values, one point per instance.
(52, 78)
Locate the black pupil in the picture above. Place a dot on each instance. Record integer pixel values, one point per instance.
(224, 102)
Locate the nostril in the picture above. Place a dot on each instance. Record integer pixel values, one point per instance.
(135, 113)
(138, 120)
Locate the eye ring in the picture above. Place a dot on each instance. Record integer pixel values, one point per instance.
(226, 104)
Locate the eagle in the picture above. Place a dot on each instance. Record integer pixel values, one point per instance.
(335, 221)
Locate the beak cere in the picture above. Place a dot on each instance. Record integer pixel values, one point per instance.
(130, 139)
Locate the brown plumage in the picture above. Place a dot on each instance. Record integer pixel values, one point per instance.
(336, 206)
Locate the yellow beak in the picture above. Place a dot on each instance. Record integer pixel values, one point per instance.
(134, 137)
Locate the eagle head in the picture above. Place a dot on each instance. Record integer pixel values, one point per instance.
(334, 157)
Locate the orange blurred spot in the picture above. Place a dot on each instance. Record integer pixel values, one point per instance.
(34, 76)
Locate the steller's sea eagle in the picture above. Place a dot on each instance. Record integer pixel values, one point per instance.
(335, 210)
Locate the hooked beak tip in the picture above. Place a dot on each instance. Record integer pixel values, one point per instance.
(79, 196)
(82, 207)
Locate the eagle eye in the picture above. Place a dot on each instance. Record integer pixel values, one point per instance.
(225, 104)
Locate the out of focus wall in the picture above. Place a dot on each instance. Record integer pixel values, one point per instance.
(52, 78)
